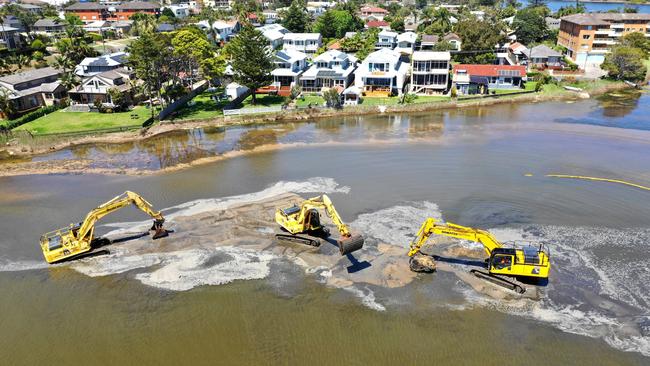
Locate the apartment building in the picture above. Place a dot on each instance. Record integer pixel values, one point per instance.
(90, 12)
(588, 37)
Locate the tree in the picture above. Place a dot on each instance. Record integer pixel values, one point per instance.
(193, 48)
(27, 18)
(142, 23)
(397, 25)
(571, 9)
(530, 24)
(7, 107)
(625, 63)
(296, 19)
(147, 56)
(332, 98)
(119, 100)
(421, 4)
(252, 61)
(636, 40)
(69, 80)
(335, 23)
(479, 38)
(168, 13)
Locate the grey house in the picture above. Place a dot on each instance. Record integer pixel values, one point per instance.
(543, 55)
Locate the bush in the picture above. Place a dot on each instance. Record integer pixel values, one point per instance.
(38, 45)
(453, 92)
(409, 98)
(95, 37)
(35, 115)
(332, 98)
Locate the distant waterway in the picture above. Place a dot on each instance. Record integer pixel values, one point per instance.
(386, 173)
(596, 6)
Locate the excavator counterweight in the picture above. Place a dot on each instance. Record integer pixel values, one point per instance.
(305, 219)
(78, 239)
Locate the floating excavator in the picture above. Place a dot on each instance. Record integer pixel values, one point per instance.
(305, 219)
(78, 239)
(503, 263)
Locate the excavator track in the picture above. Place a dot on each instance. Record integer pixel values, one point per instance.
(297, 239)
(499, 281)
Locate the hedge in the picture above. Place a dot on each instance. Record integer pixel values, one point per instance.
(33, 115)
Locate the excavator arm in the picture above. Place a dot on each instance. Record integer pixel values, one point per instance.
(324, 202)
(125, 199)
(430, 226)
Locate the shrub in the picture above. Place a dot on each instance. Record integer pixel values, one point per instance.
(35, 115)
(332, 98)
(409, 98)
(453, 92)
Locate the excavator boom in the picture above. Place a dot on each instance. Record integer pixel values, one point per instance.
(77, 239)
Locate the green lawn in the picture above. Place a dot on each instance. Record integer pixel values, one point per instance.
(201, 107)
(431, 99)
(379, 101)
(63, 122)
(263, 101)
(314, 100)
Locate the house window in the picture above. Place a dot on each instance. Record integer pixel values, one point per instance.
(589, 27)
(507, 80)
(586, 36)
(94, 17)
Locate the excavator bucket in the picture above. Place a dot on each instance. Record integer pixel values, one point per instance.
(158, 231)
(351, 244)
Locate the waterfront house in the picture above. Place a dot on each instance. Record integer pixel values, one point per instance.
(33, 89)
(386, 39)
(406, 43)
(289, 66)
(430, 72)
(94, 65)
(479, 79)
(543, 56)
(330, 69)
(97, 87)
(382, 73)
(307, 43)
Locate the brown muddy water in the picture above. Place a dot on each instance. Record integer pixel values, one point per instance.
(386, 174)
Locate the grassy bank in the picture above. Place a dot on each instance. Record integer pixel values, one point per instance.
(66, 122)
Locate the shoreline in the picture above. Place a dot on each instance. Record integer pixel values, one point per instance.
(19, 162)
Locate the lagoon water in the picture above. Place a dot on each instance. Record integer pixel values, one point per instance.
(385, 173)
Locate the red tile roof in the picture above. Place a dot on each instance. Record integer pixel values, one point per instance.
(377, 24)
(335, 46)
(489, 70)
(372, 9)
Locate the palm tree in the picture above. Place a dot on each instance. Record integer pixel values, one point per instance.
(21, 60)
(64, 63)
(6, 105)
(69, 80)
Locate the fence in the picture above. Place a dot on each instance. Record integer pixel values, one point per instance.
(242, 111)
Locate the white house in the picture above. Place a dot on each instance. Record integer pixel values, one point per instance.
(454, 40)
(97, 87)
(274, 33)
(386, 39)
(180, 10)
(430, 72)
(289, 66)
(94, 65)
(330, 69)
(307, 43)
(406, 42)
(382, 73)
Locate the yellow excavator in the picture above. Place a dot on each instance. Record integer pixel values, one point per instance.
(305, 219)
(78, 239)
(503, 263)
